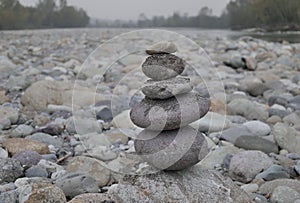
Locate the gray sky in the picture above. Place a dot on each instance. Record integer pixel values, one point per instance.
(130, 9)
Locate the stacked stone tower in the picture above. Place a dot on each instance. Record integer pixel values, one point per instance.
(170, 105)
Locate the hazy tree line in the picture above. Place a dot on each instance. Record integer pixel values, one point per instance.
(46, 14)
(268, 14)
(204, 19)
(238, 14)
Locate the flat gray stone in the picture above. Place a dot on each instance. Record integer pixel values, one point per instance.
(171, 113)
(172, 150)
(166, 88)
(74, 184)
(272, 173)
(161, 48)
(36, 171)
(195, 184)
(245, 165)
(163, 66)
(258, 128)
(256, 143)
(233, 133)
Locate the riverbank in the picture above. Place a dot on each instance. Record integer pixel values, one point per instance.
(61, 137)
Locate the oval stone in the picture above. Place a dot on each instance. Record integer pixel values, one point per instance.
(250, 142)
(172, 150)
(162, 47)
(165, 89)
(169, 114)
(163, 66)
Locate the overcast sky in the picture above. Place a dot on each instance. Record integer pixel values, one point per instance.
(130, 9)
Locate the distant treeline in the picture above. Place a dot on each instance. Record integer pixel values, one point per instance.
(267, 14)
(238, 14)
(204, 19)
(46, 14)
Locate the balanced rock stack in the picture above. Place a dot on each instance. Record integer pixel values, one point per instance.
(170, 105)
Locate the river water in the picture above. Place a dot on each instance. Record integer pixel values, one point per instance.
(291, 37)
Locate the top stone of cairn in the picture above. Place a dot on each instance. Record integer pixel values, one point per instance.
(162, 47)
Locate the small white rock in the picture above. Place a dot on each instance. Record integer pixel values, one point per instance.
(3, 153)
(250, 188)
(283, 152)
(239, 93)
(258, 128)
(279, 107)
(224, 143)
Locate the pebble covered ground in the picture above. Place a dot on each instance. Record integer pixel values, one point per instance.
(49, 151)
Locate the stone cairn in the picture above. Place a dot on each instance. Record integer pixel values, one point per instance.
(170, 105)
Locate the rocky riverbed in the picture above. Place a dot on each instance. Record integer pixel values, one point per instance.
(66, 135)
